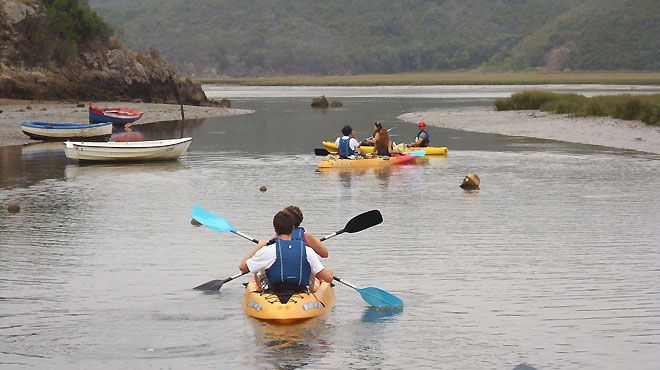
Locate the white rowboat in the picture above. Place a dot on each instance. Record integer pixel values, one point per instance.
(154, 150)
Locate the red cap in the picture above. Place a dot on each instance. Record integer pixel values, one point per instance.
(421, 124)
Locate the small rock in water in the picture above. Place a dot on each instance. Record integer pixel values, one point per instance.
(80, 105)
(336, 104)
(195, 222)
(1, 110)
(471, 182)
(13, 208)
(28, 107)
(43, 109)
(263, 189)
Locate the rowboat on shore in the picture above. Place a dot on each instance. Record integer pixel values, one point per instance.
(51, 131)
(130, 151)
(117, 116)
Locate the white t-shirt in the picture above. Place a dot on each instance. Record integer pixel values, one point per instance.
(266, 256)
(353, 144)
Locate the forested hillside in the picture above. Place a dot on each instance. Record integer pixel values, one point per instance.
(266, 37)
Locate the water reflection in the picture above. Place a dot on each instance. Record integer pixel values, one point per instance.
(378, 315)
(83, 169)
(293, 346)
(42, 150)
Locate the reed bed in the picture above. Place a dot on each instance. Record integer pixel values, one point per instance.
(645, 108)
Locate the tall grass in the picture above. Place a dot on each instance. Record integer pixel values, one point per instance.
(645, 108)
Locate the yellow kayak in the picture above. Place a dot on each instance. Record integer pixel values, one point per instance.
(430, 150)
(336, 162)
(300, 307)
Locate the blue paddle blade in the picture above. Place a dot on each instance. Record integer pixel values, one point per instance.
(417, 153)
(210, 220)
(379, 298)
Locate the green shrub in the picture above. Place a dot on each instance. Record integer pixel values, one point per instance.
(645, 108)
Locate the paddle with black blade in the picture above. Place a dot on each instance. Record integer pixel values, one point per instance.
(374, 296)
(358, 223)
(324, 152)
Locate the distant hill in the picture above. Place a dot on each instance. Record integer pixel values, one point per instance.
(267, 37)
(60, 49)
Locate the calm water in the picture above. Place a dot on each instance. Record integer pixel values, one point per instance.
(554, 262)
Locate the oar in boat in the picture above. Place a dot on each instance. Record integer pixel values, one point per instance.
(374, 296)
(358, 223)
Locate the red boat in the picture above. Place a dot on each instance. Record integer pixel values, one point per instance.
(118, 116)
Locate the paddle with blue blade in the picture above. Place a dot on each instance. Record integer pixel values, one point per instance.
(358, 223)
(373, 296)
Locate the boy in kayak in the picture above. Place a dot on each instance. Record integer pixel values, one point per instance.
(423, 137)
(289, 265)
(347, 145)
(300, 233)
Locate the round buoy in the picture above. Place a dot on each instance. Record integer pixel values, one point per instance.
(471, 182)
(13, 208)
(263, 189)
(195, 222)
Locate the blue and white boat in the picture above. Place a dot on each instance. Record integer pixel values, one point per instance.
(51, 131)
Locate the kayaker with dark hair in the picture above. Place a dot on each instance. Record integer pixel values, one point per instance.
(300, 233)
(288, 263)
(423, 137)
(371, 140)
(347, 145)
(383, 146)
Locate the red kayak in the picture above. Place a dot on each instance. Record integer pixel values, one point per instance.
(118, 116)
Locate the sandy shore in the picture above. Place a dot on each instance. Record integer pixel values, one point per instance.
(16, 111)
(609, 132)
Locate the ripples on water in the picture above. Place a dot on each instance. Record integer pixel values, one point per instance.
(554, 262)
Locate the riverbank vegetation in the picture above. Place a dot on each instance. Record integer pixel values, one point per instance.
(456, 78)
(645, 108)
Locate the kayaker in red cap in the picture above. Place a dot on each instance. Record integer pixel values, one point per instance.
(300, 233)
(289, 265)
(423, 137)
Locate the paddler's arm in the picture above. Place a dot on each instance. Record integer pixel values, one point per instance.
(243, 266)
(316, 245)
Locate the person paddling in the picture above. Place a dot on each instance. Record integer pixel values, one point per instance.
(347, 145)
(300, 233)
(383, 146)
(423, 137)
(289, 265)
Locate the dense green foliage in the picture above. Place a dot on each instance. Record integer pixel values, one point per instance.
(264, 37)
(645, 108)
(66, 27)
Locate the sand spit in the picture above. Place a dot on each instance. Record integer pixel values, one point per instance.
(13, 112)
(633, 135)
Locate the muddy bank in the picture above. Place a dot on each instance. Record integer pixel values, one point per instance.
(603, 131)
(16, 111)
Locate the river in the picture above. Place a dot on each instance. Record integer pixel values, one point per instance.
(554, 262)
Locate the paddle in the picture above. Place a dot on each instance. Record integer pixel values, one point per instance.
(374, 296)
(321, 152)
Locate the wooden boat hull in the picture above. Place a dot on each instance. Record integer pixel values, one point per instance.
(157, 150)
(300, 307)
(49, 131)
(430, 150)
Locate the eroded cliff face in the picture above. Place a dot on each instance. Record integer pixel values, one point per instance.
(32, 67)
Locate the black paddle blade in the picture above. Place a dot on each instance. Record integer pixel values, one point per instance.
(321, 152)
(212, 285)
(364, 221)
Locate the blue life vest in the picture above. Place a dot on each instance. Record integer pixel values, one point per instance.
(345, 150)
(290, 266)
(298, 233)
(426, 140)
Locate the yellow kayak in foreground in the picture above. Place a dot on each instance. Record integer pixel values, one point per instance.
(299, 307)
(430, 150)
